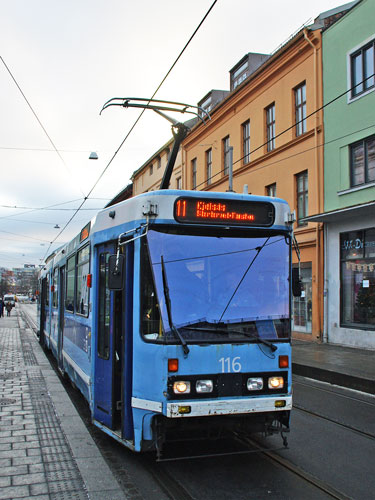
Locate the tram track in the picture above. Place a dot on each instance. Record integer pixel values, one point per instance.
(334, 421)
(175, 490)
(322, 486)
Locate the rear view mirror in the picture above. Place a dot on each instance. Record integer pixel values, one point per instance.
(296, 282)
(116, 266)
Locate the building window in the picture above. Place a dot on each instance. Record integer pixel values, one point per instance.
(357, 255)
(209, 166)
(151, 169)
(179, 183)
(226, 159)
(271, 190)
(302, 197)
(270, 126)
(362, 162)
(194, 173)
(158, 162)
(300, 109)
(246, 142)
(362, 69)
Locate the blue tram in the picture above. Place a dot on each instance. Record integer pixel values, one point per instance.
(170, 312)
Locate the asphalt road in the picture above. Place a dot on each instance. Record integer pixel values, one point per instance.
(331, 454)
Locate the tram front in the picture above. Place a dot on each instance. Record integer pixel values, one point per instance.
(213, 356)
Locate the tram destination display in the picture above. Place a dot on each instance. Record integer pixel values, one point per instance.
(225, 212)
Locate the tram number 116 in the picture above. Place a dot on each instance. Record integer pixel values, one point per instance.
(229, 365)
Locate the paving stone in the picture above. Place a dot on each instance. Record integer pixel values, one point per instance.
(28, 479)
(13, 470)
(14, 492)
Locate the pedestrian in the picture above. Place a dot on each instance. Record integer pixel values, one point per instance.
(8, 308)
(1, 307)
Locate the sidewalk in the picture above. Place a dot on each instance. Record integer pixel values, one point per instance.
(344, 366)
(46, 452)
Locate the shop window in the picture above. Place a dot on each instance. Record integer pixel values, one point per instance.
(302, 306)
(357, 249)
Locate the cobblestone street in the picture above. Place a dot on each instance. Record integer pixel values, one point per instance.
(35, 458)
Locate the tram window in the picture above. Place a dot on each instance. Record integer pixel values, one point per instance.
(83, 269)
(150, 313)
(47, 290)
(54, 287)
(104, 307)
(70, 274)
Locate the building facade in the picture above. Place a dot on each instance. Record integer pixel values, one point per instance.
(268, 119)
(349, 180)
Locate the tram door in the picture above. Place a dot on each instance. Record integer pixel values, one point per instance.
(43, 296)
(108, 351)
(61, 323)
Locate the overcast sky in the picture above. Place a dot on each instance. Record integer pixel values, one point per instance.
(69, 57)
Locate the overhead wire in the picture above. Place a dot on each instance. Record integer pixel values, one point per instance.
(339, 96)
(132, 127)
(37, 118)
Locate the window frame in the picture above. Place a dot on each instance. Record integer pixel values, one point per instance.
(78, 265)
(226, 156)
(194, 173)
(208, 166)
(271, 126)
(270, 188)
(364, 142)
(300, 109)
(360, 51)
(71, 258)
(245, 127)
(305, 194)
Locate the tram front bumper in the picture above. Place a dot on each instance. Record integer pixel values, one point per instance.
(218, 407)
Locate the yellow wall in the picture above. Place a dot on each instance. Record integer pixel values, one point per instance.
(298, 61)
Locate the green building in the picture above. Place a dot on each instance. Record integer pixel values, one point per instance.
(349, 177)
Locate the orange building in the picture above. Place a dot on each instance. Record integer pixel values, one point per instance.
(270, 123)
(269, 118)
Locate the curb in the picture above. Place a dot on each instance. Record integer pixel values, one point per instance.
(340, 379)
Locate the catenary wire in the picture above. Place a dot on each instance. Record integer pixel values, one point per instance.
(291, 128)
(37, 118)
(132, 128)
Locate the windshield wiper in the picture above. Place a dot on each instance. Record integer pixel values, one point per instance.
(169, 308)
(269, 344)
(258, 249)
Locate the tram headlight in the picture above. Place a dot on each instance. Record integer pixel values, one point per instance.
(275, 383)
(181, 387)
(254, 384)
(204, 386)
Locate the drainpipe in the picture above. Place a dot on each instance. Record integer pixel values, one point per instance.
(318, 180)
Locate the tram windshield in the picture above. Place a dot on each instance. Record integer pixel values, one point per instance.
(221, 289)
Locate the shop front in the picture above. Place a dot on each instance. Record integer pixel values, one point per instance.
(349, 276)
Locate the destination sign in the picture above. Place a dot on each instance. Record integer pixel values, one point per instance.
(225, 212)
